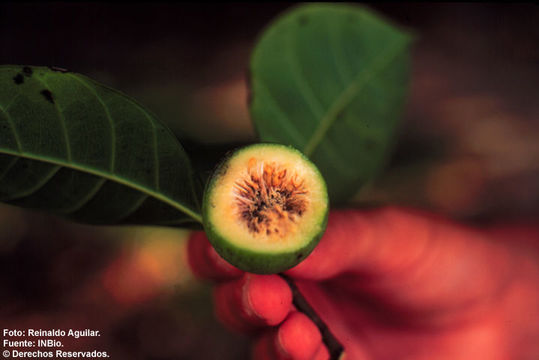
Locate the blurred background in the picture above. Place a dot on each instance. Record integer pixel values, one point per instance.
(468, 148)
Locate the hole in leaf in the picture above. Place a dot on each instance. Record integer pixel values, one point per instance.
(18, 79)
(47, 95)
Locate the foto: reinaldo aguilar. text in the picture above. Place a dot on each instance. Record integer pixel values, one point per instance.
(62, 333)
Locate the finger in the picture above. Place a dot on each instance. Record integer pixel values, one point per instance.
(206, 263)
(297, 338)
(427, 263)
(322, 353)
(265, 349)
(382, 241)
(252, 302)
(342, 243)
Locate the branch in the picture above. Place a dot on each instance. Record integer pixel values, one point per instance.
(335, 348)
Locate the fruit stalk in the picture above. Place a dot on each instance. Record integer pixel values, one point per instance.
(335, 348)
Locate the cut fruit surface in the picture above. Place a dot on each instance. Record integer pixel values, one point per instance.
(265, 208)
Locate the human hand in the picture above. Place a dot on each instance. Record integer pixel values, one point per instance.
(391, 284)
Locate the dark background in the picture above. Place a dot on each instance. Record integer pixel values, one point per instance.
(468, 148)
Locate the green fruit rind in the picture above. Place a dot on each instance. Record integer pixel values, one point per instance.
(266, 260)
(257, 262)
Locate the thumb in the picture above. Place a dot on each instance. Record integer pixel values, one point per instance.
(366, 242)
(406, 253)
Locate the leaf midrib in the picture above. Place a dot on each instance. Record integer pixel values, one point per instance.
(348, 94)
(118, 179)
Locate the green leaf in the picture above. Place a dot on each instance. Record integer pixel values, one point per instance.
(331, 80)
(76, 148)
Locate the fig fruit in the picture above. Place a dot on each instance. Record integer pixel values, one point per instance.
(265, 208)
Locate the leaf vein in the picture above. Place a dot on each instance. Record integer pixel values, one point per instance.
(299, 75)
(111, 122)
(61, 117)
(134, 208)
(283, 119)
(191, 174)
(155, 155)
(85, 200)
(9, 166)
(337, 50)
(348, 94)
(11, 124)
(36, 187)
